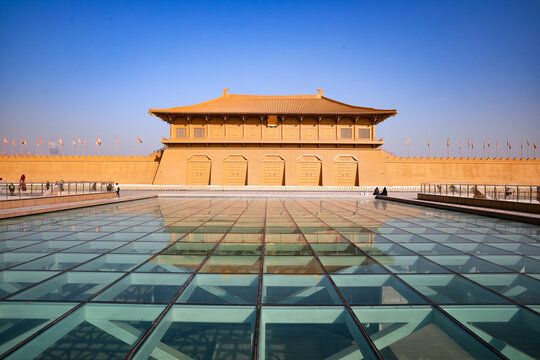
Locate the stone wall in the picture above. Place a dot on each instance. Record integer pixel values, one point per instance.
(122, 169)
(270, 165)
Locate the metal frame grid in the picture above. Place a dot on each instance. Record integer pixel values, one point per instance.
(354, 271)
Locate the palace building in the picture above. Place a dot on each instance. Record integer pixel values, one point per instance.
(304, 140)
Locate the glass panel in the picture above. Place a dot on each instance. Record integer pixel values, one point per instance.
(200, 332)
(221, 289)
(515, 286)
(419, 332)
(291, 265)
(140, 247)
(14, 281)
(467, 264)
(172, 263)
(351, 265)
(336, 249)
(310, 333)
(96, 246)
(113, 262)
(517, 263)
(189, 249)
(286, 249)
(58, 261)
(147, 288)
(20, 320)
(432, 249)
(512, 330)
(10, 259)
(384, 249)
(95, 331)
(293, 289)
(232, 264)
(375, 289)
(238, 249)
(451, 289)
(409, 264)
(74, 286)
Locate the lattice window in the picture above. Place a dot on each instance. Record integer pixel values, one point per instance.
(364, 133)
(346, 133)
(181, 133)
(198, 133)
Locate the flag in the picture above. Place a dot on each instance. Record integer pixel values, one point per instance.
(496, 144)
(22, 141)
(61, 142)
(428, 143)
(37, 142)
(510, 145)
(472, 145)
(460, 145)
(49, 142)
(488, 143)
(5, 141)
(13, 143)
(40, 140)
(521, 144)
(98, 141)
(528, 142)
(73, 143)
(468, 142)
(117, 140)
(139, 139)
(534, 145)
(84, 142)
(80, 142)
(448, 142)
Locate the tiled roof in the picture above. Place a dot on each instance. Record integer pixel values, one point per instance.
(274, 105)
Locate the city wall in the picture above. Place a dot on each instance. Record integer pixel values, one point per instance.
(122, 169)
(271, 166)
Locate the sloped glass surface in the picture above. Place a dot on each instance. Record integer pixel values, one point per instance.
(409, 264)
(20, 320)
(310, 333)
(172, 263)
(70, 286)
(512, 330)
(419, 332)
(144, 288)
(351, 265)
(294, 289)
(466, 264)
(95, 331)
(451, 289)
(221, 289)
(515, 286)
(199, 332)
(14, 281)
(291, 265)
(375, 289)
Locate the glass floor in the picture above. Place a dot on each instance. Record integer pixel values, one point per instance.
(268, 278)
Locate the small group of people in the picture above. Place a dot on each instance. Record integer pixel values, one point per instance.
(116, 188)
(384, 192)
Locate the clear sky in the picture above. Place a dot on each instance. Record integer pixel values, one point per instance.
(453, 69)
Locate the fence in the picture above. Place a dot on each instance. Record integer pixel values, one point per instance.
(16, 191)
(528, 193)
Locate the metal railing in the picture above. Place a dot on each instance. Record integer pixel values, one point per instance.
(523, 193)
(10, 191)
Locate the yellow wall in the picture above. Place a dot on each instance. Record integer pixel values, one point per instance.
(236, 164)
(122, 169)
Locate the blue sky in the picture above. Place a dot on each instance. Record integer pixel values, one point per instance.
(457, 69)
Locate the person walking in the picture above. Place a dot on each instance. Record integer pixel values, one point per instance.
(117, 188)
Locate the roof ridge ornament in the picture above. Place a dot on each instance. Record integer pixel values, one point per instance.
(225, 92)
(319, 95)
